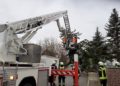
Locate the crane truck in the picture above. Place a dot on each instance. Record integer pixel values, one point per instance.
(13, 72)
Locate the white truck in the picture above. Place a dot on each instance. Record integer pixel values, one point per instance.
(15, 73)
(48, 60)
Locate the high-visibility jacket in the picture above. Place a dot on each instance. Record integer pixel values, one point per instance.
(102, 73)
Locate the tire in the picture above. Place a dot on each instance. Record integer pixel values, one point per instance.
(27, 84)
(30, 81)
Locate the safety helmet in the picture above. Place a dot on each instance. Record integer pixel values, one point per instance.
(100, 63)
(54, 62)
(61, 63)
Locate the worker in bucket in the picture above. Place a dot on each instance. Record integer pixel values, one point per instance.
(102, 74)
(52, 78)
(61, 78)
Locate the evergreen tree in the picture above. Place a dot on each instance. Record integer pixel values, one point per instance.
(99, 47)
(93, 51)
(113, 33)
(83, 47)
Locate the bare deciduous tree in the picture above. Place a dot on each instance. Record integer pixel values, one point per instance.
(53, 48)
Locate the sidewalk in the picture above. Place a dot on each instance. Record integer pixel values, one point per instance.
(93, 79)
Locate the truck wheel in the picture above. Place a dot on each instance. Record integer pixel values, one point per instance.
(27, 84)
(30, 81)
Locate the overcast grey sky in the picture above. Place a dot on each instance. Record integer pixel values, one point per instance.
(84, 15)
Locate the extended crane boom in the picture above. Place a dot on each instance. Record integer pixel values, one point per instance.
(29, 24)
(13, 45)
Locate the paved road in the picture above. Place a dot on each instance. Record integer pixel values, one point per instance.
(84, 80)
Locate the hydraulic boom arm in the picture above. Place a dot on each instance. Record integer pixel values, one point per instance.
(37, 22)
(13, 45)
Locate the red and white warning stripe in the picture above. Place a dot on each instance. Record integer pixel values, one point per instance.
(63, 72)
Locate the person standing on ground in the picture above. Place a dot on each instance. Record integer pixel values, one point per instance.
(61, 78)
(52, 77)
(102, 74)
